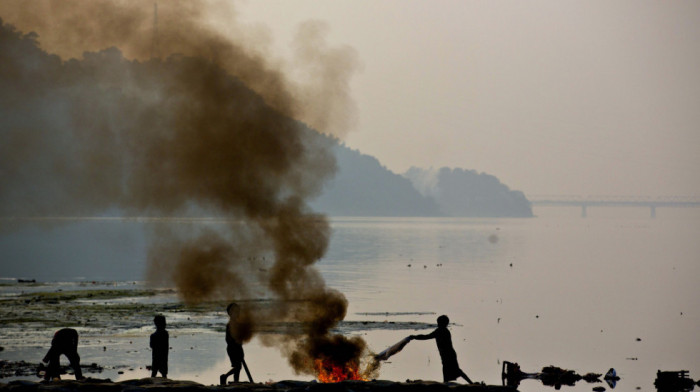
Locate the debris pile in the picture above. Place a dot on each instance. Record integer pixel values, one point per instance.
(553, 376)
(674, 381)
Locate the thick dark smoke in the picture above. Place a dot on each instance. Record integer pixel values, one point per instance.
(206, 128)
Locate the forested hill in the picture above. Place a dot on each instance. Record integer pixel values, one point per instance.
(363, 187)
(460, 192)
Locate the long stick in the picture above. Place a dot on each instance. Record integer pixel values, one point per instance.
(247, 372)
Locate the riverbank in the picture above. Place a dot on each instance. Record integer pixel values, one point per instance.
(115, 319)
(160, 385)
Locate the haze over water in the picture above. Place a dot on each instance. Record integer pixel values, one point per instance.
(616, 289)
(578, 295)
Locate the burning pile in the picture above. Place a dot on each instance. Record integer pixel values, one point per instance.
(337, 358)
(210, 131)
(330, 372)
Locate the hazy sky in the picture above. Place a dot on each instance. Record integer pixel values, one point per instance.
(552, 97)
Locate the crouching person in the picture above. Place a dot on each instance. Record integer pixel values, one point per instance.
(64, 342)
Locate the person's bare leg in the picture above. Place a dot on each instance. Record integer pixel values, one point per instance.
(223, 377)
(236, 374)
(463, 375)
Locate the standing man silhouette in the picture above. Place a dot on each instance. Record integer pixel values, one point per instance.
(443, 339)
(234, 346)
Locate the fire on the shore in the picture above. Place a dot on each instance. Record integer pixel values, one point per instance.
(329, 372)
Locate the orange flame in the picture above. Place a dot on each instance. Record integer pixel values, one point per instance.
(330, 372)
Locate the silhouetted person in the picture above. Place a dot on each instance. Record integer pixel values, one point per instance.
(234, 347)
(160, 346)
(65, 341)
(443, 338)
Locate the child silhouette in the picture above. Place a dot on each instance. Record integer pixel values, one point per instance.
(65, 341)
(160, 346)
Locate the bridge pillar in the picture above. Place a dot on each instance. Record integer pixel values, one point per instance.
(653, 211)
(583, 211)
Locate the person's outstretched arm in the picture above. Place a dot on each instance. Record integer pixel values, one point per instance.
(424, 337)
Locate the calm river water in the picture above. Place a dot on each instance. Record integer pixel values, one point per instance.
(616, 289)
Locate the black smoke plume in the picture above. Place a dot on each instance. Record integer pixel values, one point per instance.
(98, 113)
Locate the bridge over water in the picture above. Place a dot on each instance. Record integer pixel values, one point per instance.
(584, 202)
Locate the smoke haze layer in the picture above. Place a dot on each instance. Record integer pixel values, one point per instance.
(208, 127)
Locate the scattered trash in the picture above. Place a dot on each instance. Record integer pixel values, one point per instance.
(511, 375)
(611, 378)
(674, 381)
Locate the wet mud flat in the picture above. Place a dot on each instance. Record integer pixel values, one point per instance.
(97, 307)
(160, 384)
(26, 369)
(114, 320)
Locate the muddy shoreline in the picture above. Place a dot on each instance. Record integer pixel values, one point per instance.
(160, 384)
(114, 320)
(98, 306)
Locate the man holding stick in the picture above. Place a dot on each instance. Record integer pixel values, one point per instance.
(234, 347)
